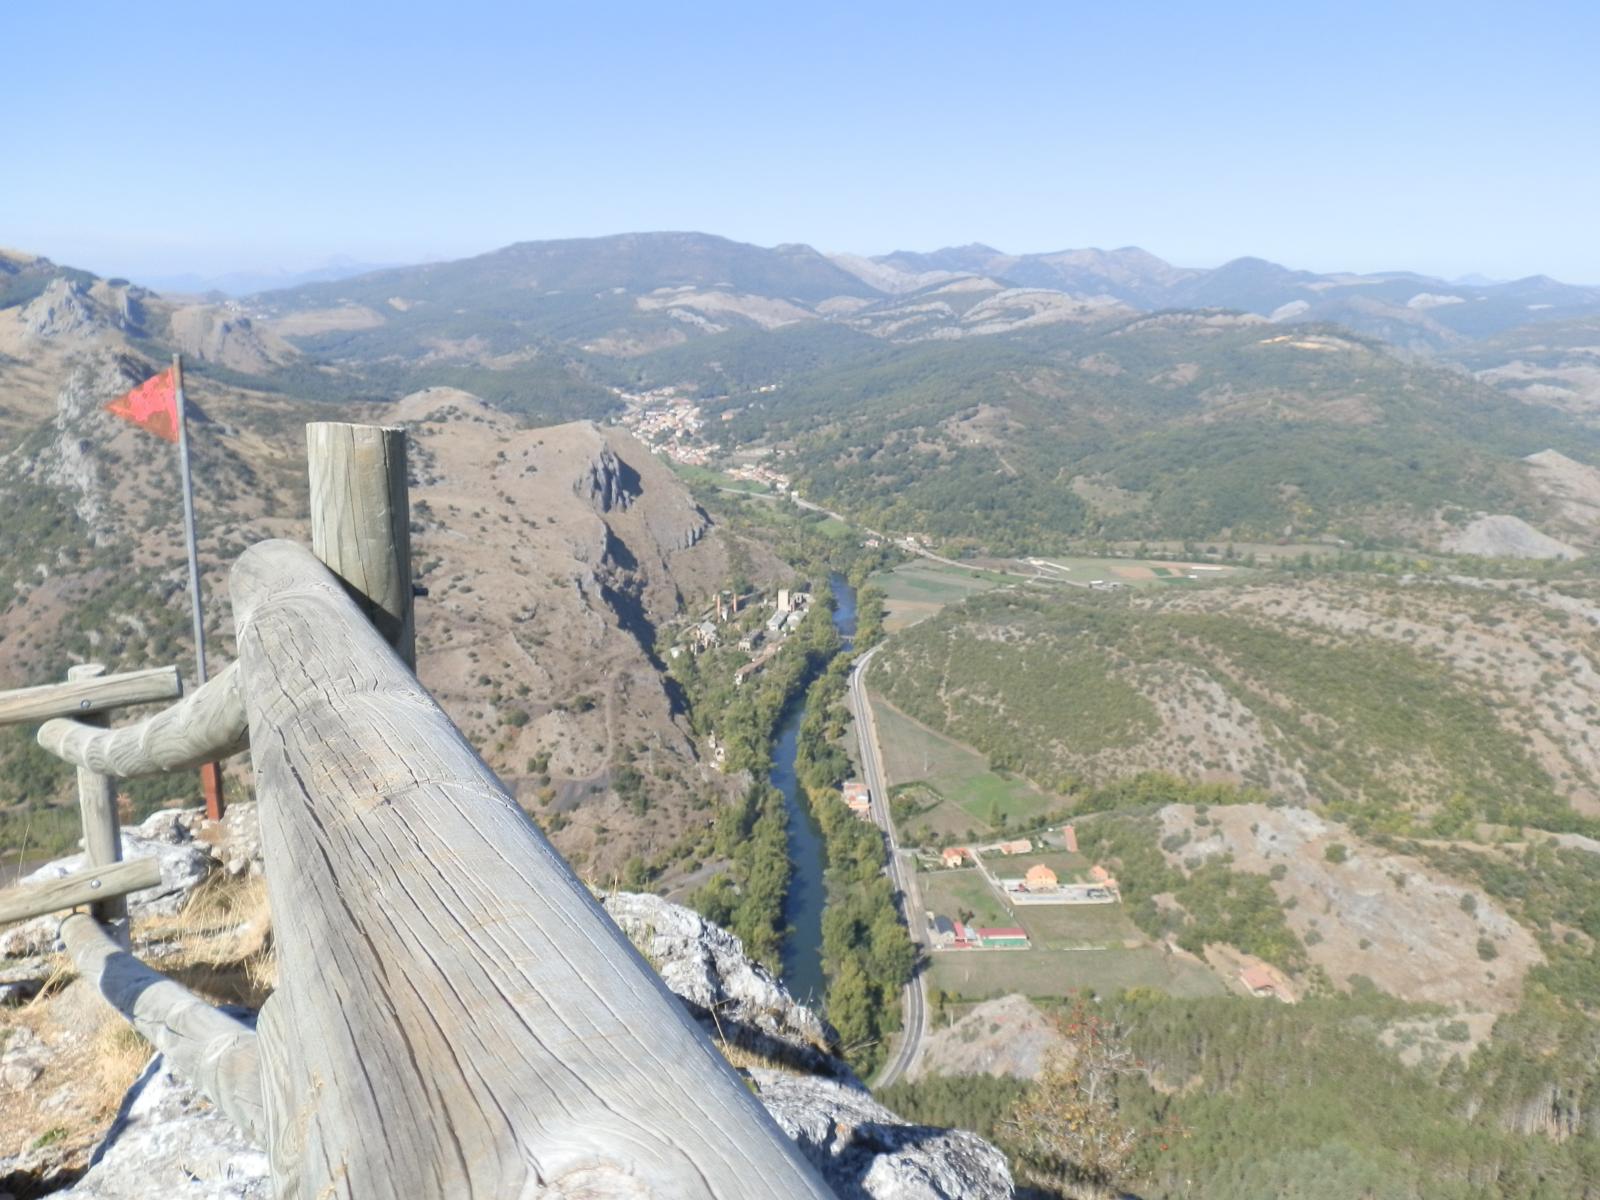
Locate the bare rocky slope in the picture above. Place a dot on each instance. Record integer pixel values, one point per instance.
(552, 557)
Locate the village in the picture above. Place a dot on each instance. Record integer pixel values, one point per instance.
(673, 425)
(668, 423)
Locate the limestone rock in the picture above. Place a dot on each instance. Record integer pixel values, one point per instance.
(184, 865)
(23, 1060)
(864, 1150)
(168, 1143)
(733, 998)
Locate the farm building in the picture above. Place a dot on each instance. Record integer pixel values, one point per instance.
(1009, 937)
(1103, 877)
(1265, 980)
(1020, 846)
(858, 797)
(1069, 839)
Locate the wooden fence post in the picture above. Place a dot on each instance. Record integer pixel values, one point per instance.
(361, 521)
(97, 806)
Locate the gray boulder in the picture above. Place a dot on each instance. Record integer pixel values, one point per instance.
(163, 837)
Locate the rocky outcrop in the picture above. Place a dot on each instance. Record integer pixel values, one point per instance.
(736, 1000)
(187, 846)
(864, 1150)
(608, 483)
(861, 1148)
(63, 309)
(229, 338)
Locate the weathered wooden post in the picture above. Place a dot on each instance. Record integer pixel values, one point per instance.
(97, 805)
(361, 521)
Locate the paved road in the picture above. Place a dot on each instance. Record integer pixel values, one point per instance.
(900, 875)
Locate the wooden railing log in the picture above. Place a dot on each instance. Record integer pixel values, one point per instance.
(455, 1014)
(205, 726)
(215, 1052)
(80, 697)
(28, 900)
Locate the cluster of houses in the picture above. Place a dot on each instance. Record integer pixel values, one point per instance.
(958, 935)
(666, 422)
(1040, 883)
(707, 633)
(763, 474)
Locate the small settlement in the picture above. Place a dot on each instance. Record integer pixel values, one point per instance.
(1055, 875)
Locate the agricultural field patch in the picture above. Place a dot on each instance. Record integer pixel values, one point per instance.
(988, 800)
(1053, 974)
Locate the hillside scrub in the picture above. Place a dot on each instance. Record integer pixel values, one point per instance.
(975, 441)
(1074, 688)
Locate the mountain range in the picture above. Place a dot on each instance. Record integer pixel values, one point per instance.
(992, 400)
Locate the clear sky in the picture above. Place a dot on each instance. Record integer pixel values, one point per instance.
(157, 138)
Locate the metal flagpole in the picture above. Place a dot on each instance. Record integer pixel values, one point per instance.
(210, 773)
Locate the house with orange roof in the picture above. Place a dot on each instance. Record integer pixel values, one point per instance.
(1103, 877)
(955, 856)
(1040, 878)
(1265, 980)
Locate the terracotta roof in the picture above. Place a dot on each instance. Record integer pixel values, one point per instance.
(1258, 977)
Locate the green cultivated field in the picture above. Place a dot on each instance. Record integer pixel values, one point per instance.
(709, 478)
(1044, 973)
(1066, 926)
(918, 589)
(948, 892)
(914, 753)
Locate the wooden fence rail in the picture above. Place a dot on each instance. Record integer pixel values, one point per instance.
(205, 726)
(455, 1015)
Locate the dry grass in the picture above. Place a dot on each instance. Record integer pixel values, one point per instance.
(118, 1054)
(220, 944)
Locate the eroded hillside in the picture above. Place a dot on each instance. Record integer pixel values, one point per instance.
(552, 556)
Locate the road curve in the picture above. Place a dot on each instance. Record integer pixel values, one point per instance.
(903, 879)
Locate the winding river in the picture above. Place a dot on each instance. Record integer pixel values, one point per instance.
(802, 909)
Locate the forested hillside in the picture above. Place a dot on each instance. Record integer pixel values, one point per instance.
(1178, 426)
(1404, 704)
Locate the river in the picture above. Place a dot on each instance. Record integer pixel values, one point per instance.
(808, 893)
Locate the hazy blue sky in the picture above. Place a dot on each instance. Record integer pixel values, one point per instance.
(149, 139)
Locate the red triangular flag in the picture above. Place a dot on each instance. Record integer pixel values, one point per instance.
(153, 406)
